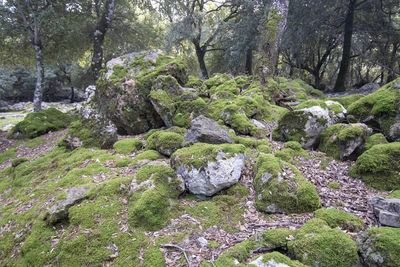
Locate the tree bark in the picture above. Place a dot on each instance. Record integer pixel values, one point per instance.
(346, 54)
(38, 94)
(200, 53)
(102, 25)
(249, 61)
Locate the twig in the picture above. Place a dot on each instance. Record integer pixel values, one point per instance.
(275, 224)
(178, 248)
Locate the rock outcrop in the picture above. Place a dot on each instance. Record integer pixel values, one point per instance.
(387, 211)
(205, 130)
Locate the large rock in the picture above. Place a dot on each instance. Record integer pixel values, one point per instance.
(344, 141)
(207, 169)
(205, 130)
(306, 123)
(380, 246)
(123, 91)
(387, 211)
(380, 110)
(280, 188)
(59, 211)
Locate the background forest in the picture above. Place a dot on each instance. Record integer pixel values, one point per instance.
(333, 45)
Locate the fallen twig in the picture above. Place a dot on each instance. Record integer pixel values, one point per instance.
(178, 248)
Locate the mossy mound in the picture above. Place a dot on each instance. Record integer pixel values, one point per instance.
(346, 101)
(127, 146)
(375, 139)
(147, 155)
(379, 167)
(154, 190)
(380, 110)
(291, 149)
(280, 187)
(344, 141)
(380, 246)
(39, 123)
(90, 132)
(316, 244)
(338, 218)
(123, 89)
(164, 142)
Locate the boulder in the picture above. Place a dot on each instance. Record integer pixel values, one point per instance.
(344, 141)
(387, 211)
(375, 139)
(207, 169)
(123, 91)
(205, 130)
(379, 167)
(380, 110)
(92, 129)
(59, 211)
(307, 121)
(380, 246)
(280, 187)
(165, 142)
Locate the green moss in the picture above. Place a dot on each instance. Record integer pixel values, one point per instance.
(119, 72)
(336, 108)
(165, 142)
(277, 238)
(375, 139)
(200, 154)
(229, 86)
(334, 185)
(153, 257)
(394, 194)
(317, 244)
(147, 155)
(127, 146)
(123, 162)
(238, 191)
(9, 153)
(36, 142)
(276, 191)
(337, 218)
(18, 161)
(217, 80)
(381, 243)
(351, 132)
(346, 101)
(240, 252)
(291, 127)
(280, 258)
(39, 123)
(378, 167)
(194, 82)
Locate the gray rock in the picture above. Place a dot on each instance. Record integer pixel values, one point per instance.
(271, 263)
(387, 211)
(217, 175)
(205, 130)
(202, 242)
(59, 211)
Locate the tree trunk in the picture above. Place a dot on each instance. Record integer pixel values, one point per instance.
(102, 25)
(348, 35)
(392, 63)
(200, 53)
(249, 61)
(38, 94)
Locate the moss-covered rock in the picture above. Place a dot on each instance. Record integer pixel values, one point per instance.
(165, 142)
(208, 168)
(380, 246)
(338, 218)
(154, 190)
(274, 239)
(379, 167)
(344, 141)
(375, 139)
(127, 146)
(291, 149)
(274, 259)
(280, 187)
(316, 244)
(123, 89)
(39, 123)
(91, 131)
(306, 123)
(380, 110)
(346, 101)
(148, 155)
(18, 161)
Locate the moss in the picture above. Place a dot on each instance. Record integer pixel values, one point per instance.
(127, 146)
(39, 123)
(280, 258)
(18, 161)
(381, 243)
(238, 191)
(334, 185)
(36, 142)
(123, 162)
(291, 127)
(165, 142)
(337, 218)
(9, 153)
(229, 86)
(222, 211)
(375, 139)
(240, 252)
(153, 257)
(147, 155)
(199, 154)
(277, 238)
(394, 194)
(350, 133)
(288, 192)
(378, 167)
(119, 72)
(317, 244)
(346, 101)
(194, 82)
(216, 80)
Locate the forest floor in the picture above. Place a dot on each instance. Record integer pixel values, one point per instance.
(352, 196)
